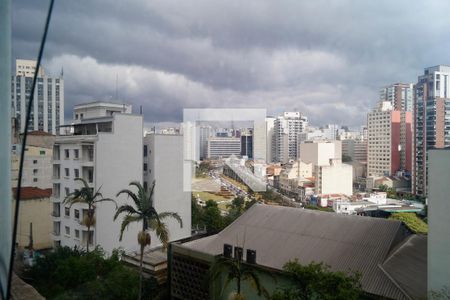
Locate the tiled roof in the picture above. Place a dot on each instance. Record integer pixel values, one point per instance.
(357, 243)
(28, 193)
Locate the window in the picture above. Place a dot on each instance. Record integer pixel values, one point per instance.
(42, 152)
(76, 173)
(35, 179)
(66, 154)
(77, 233)
(145, 185)
(67, 211)
(76, 153)
(145, 150)
(67, 230)
(34, 161)
(35, 171)
(81, 116)
(145, 167)
(66, 172)
(76, 116)
(67, 191)
(77, 214)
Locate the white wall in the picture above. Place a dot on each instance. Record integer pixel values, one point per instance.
(165, 166)
(438, 219)
(337, 179)
(119, 161)
(320, 153)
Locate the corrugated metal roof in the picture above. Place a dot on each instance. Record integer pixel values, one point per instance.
(407, 266)
(279, 234)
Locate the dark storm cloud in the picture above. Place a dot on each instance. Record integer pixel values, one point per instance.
(325, 58)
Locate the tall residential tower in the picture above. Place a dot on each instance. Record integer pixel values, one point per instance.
(431, 121)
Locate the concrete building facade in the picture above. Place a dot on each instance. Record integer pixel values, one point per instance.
(400, 95)
(390, 141)
(105, 150)
(286, 131)
(48, 105)
(431, 125)
(223, 147)
(163, 164)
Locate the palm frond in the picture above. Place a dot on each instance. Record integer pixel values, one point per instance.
(173, 215)
(126, 221)
(162, 233)
(128, 209)
(106, 200)
(131, 195)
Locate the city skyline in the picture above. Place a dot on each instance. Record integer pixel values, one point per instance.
(283, 57)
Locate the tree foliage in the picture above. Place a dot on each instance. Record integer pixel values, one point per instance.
(316, 281)
(412, 221)
(77, 274)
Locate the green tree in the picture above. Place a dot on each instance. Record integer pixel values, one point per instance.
(86, 195)
(145, 212)
(412, 221)
(316, 281)
(237, 271)
(212, 218)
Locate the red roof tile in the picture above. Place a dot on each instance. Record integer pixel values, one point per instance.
(29, 192)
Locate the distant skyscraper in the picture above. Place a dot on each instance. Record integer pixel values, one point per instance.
(400, 95)
(286, 130)
(247, 144)
(431, 121)
(270, 139)
(390, 140)
(48, 106)
(205, 133)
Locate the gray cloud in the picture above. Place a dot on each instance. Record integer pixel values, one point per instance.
(325, 58)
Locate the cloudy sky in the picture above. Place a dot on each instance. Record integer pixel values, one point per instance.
(326, 59)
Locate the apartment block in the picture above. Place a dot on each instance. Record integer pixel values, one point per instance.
(104, 147)
(431, 121)
(286, 131)
(223, 147)
(355, 149)
(163, 164)
(400, 95)
(47, 112)
(390, 141)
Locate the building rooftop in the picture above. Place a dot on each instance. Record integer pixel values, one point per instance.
(28, 193)
(343, 242)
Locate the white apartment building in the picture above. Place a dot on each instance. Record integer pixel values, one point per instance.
(334, 178)
(292, 176)
(328, 132)
(286, 130)
(223, 147)
(47, 112)
(27, 68)
(319, 153)
(331, 175)
(270, 139)
(106, 150)
(163, 163)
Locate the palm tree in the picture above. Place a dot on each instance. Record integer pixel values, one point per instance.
(239, 271)
(86, 195)
(145, 212)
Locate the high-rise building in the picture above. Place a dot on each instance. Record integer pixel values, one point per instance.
(270, 139)
(163, 164)
(205, 132)
(390, 140)
(431, 121)
(104, 147)
(286, 130)
(400, 95)
(47, 112)
(355, 149)
(223, 147)
(247, 144)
